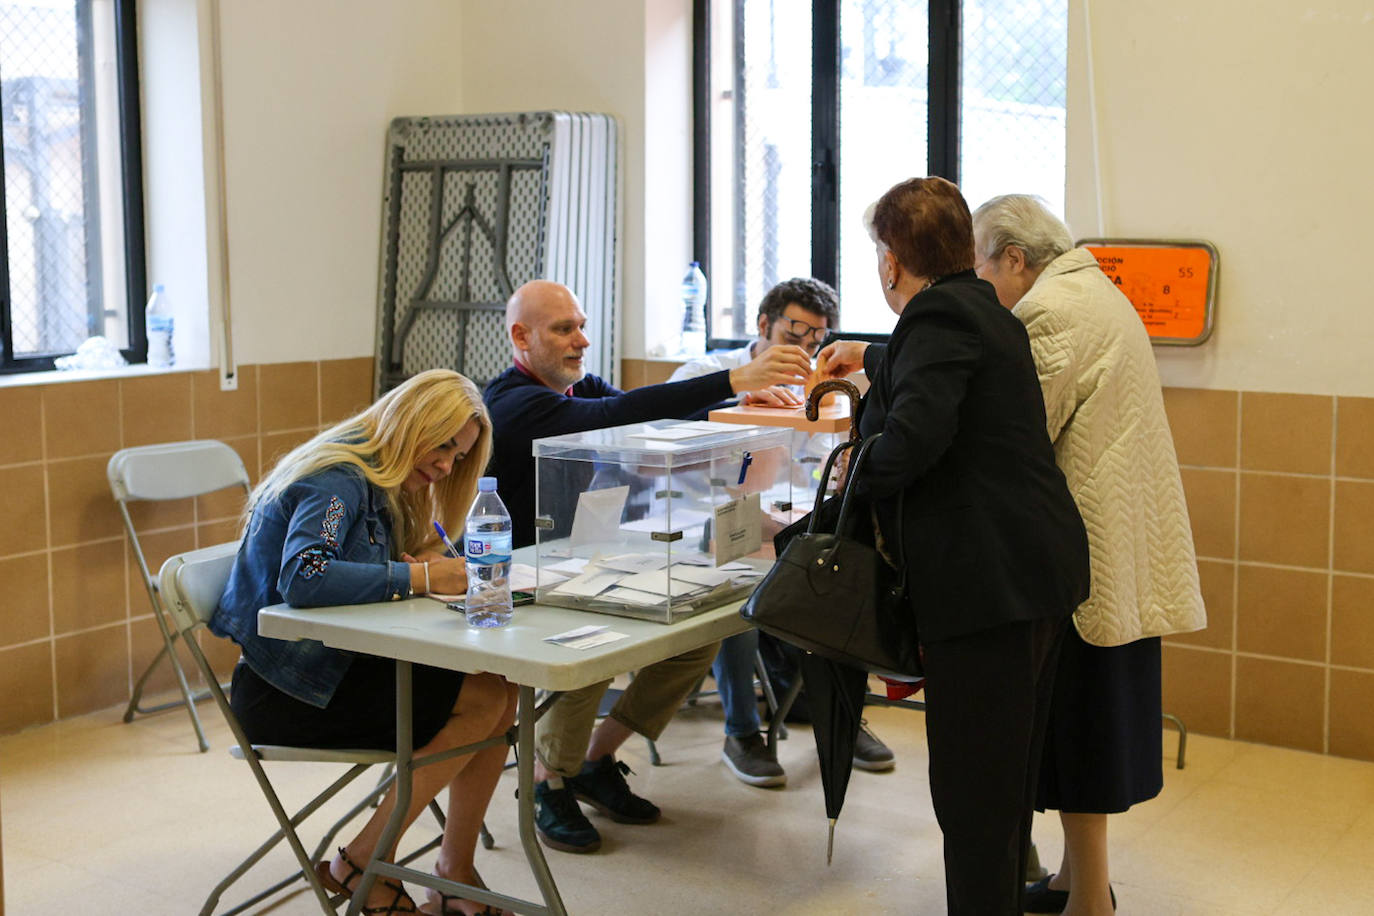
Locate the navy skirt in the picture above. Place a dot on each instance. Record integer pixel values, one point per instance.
(361, 715)
(1104, 747)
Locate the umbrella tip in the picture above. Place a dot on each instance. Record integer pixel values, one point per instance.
(830, 843)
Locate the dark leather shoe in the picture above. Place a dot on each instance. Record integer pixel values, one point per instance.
(1041, 898)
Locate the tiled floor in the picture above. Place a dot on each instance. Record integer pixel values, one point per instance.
(102, 817)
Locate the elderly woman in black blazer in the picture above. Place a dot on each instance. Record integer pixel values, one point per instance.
(996, 551)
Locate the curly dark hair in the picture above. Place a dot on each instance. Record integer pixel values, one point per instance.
(812, 295)
(925, 222)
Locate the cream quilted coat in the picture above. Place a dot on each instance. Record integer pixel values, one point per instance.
(1112, 441)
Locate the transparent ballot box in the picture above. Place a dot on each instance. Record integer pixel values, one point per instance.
(658, 520)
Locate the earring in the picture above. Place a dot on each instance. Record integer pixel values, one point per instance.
(891, 284)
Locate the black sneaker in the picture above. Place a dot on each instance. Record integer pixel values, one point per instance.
(560, 822)
(602, 785)
(753, 761)
(870, 753)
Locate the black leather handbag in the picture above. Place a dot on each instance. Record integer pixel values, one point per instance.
(832, 593)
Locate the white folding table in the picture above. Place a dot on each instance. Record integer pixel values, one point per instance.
(424, 631)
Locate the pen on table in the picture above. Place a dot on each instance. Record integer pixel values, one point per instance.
(443, 536)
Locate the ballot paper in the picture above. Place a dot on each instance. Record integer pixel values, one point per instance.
(588, 637)
(524, 578)
(738, 528)
(658, 582)
(571, 567)
(704, 576)
(689, 430)
(590, 584)
(633, 562)
(633, 596)
(712, 426)
(597, 518)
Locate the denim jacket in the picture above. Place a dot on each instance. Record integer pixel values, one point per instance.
(326, 540)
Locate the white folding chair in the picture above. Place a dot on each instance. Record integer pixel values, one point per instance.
(169, 471)
(191, 585)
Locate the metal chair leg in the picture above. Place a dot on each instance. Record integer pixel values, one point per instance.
(770, 696)
(187, 697)
(1182, 736)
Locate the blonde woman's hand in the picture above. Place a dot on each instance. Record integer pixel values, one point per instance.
(425, 556)
(442, 576)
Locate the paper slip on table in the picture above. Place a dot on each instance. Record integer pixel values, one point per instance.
(424, 631)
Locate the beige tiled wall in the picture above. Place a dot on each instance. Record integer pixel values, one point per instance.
(75, 626)
(1280, 489)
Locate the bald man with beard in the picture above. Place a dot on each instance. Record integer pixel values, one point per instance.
(548, 392)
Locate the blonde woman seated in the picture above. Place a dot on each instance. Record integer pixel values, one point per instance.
(345, 519)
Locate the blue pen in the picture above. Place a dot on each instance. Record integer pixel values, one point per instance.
(744, 467)
(443, 536)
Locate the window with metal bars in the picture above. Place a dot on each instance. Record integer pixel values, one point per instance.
(72, 199)
(806, 113)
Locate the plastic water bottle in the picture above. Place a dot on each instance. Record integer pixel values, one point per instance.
(693, 340)
(157, 319)
(487, 548)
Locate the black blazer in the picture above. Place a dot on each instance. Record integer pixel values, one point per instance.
(990, 531)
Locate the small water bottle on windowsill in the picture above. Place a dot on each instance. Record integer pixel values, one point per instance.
(157, 320)
(692, 341)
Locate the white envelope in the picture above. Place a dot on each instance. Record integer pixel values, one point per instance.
(589, 584)
(633, 596)
(597, 519)
(701, 575)
(658, 583)
(633, 562)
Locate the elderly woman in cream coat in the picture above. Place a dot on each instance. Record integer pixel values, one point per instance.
(1105, 412)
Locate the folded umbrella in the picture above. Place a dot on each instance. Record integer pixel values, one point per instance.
(835, 694)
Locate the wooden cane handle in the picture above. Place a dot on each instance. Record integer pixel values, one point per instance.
(813, 400)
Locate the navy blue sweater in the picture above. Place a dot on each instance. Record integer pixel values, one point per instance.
(524, 409)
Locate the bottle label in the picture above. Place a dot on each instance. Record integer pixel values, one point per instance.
(158, 323)
(488, 549)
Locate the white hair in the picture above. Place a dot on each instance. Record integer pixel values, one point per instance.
(868, 224)
(1022, 220)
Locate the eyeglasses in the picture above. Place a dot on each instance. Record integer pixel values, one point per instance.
(801, 330)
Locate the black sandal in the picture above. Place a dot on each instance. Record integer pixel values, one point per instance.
(400, 902)
(443, 901)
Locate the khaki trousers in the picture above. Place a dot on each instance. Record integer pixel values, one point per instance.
(646, 707)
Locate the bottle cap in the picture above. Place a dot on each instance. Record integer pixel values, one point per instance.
(486, 484)
(158, 288)
(695, 264)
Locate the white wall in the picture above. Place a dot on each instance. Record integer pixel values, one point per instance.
(1241, 123)
(174, 180)
(309, 88)
(1246, 124)
(628, 58)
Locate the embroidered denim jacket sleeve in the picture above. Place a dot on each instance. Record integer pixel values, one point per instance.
(327, 513)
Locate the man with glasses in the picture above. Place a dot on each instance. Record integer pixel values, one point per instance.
(798, 312)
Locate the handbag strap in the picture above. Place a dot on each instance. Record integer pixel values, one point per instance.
(864, 446)
(825, 481)
(845, 496)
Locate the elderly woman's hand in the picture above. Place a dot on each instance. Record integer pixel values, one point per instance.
(841, 358)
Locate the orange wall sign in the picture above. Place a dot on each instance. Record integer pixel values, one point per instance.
(1171, 284)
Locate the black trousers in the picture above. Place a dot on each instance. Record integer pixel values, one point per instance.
(987, 705)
